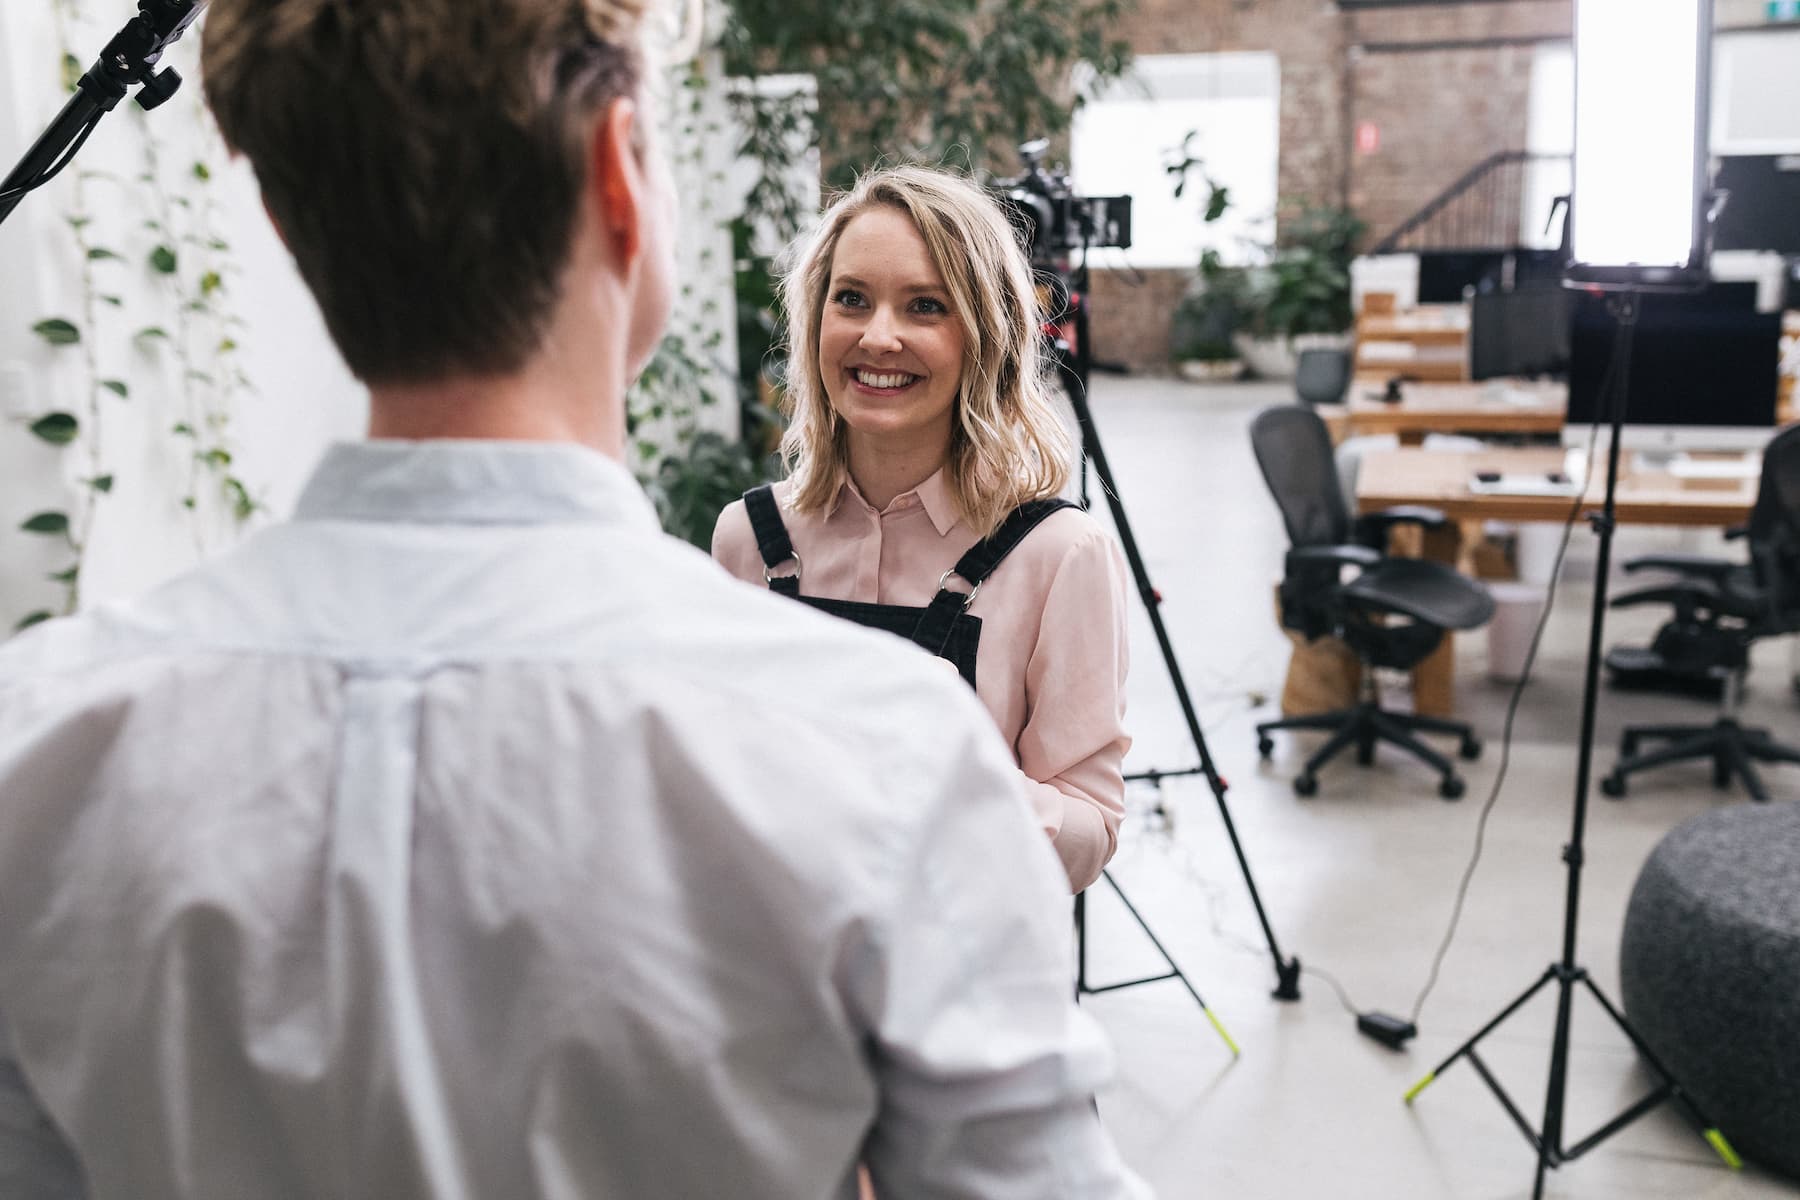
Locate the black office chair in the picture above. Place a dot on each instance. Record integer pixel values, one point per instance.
(1721, 609)
(1391, 613)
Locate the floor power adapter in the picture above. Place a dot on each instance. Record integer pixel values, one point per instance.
(1391, 1031)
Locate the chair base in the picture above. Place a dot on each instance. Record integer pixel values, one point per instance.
(1367, 725)
(1734, 750)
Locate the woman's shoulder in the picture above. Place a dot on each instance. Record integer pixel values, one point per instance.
(1070, 530)
(732, 532)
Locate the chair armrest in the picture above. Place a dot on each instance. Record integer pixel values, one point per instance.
(1687, 597)
(1699, 565)
(1320, 556)
(1373, 527)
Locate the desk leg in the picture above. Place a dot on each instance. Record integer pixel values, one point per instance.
(1434, 679)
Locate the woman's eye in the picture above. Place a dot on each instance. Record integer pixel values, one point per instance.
(926, 304)
(848, 298)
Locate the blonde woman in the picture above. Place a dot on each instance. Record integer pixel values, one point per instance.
(925, 456)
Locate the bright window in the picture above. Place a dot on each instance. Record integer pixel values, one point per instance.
(1123, 137)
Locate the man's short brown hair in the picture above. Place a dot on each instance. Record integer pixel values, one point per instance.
(424, 160)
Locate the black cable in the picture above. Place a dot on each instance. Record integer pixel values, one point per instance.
(53, 172)
(1512, 707)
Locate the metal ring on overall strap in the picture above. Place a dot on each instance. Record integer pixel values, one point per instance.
(772, 539)
(939, 619)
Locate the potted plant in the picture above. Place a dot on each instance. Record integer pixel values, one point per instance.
(1209, 314)
(1303, 301)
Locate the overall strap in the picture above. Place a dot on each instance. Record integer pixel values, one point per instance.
(939, 619)
(772, 539)
(988, 553)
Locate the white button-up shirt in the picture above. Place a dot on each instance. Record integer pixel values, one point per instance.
(467, 838)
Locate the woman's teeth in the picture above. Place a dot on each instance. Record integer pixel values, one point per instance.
(871, 379)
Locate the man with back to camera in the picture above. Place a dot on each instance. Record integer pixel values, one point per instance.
(446, 840)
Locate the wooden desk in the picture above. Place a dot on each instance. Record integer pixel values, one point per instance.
(1491, 408)
(1441, 480)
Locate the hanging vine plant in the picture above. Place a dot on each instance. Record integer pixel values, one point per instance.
(188, 264)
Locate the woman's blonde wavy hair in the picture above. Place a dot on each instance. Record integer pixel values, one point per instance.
(1007, 443)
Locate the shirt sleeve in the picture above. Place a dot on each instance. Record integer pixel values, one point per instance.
(35, 1159)
(1073, 743)
(734, 544)
(985, 1065)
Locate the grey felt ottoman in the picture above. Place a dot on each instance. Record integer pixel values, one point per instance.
(1710, 968)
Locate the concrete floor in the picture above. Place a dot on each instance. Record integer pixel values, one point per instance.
(1359, 880)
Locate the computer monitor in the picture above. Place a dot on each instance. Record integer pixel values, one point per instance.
(1762, 209)
(1521, 332)
(1703, 371)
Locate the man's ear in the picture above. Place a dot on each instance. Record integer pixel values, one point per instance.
(618, 179)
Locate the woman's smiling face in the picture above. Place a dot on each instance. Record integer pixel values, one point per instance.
(890, 346)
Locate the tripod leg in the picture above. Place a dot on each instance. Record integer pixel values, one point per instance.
(1708, 1130)
(1174, 969)
(1075, 377)
(1469, 1045)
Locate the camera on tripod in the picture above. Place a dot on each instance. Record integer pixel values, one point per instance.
(1052, 219)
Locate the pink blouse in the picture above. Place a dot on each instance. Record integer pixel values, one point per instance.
(1053, 652)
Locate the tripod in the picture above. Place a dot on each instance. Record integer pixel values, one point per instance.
(1074, 361)
(1567, 972)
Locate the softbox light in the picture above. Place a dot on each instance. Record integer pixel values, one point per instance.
(1642, 79)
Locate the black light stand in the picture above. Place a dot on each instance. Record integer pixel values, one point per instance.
(1567, 972)
(1074, 360)
(129, 60)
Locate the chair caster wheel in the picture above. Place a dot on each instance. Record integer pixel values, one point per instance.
(1265, 746)
(1613, 785)
(1452, 788)
(1470, 748)
(1305, 785)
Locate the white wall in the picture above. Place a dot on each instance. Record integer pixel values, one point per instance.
(304, 397)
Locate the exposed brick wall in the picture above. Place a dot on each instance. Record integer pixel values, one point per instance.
(1129, 316)
(1443, 106)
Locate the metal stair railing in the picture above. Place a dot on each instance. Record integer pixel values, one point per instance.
(1482, 210)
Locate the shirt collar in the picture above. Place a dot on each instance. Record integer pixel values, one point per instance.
(454, 482)
(934, 498)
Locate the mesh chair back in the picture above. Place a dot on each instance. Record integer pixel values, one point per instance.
(1774, 532)
(1294, 451)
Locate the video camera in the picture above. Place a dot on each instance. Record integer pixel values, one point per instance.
(1052, 219)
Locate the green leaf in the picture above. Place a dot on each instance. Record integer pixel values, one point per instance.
(210, 283)
(117, 387)
(182, 429)
(188, 502)
(163, 260)
(30, 619)
(216, 457)
(101, 483)
(68, 576)
(100, 253)
(57, 331)
(227, 346)
(78, 222)
(115, 301)
(150, 334)
(202, 172)
(218, 244)
(47, 523)
(57, 428)
(71, 72)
